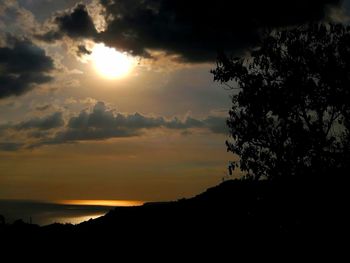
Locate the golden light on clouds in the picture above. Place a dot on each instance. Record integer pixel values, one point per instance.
(110, 63)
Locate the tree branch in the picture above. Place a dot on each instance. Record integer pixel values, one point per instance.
(229, 87)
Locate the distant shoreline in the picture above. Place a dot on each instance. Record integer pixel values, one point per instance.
(64, 211)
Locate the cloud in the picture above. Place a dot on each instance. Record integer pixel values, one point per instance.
(52, 121)
(42, 9)
(15, 19)
(103, 118)
(101, 123)
(190, 29)
(10, 146)
(216, 124)
(43, 107)
(74, 24)
(82, 50)
(22, 66)
(35, 129)
(77, 24)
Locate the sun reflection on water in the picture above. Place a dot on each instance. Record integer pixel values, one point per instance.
(101, 202)
(75, 219)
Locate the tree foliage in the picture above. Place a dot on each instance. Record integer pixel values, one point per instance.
(291, 116)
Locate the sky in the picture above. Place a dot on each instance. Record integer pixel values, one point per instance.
(105, 99)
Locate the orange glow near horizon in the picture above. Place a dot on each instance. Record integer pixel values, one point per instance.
(101, 202)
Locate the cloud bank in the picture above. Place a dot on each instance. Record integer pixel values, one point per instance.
(193, 30)
(52, 121)
(100, 123)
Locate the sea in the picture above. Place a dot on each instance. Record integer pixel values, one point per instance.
(60, 211)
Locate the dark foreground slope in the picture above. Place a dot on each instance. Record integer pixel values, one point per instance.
(234, 213)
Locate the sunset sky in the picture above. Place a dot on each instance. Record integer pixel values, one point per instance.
(115, 100)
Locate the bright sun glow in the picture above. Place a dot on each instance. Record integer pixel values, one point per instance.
(111, 63)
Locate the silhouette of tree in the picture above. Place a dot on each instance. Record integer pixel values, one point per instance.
(291, 115)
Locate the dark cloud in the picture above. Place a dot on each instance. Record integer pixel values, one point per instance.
(99, 118)
(4, 127)
(22, 66)
(43, 107)
(75, 135)
(100, 123)
(103, 118)
(41, 124)
(82, 50)
(39, 134)
(216, 124)
(10, 146)
(43, 9)
(50, 36)
(195, 30)
(52, 121)
(75, 24)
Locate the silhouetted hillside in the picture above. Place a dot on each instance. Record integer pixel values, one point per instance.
(237, 211)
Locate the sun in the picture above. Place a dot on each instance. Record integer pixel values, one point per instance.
(110, 63)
